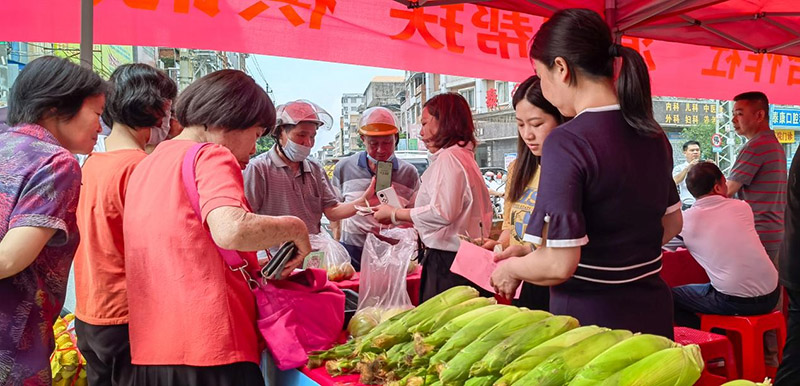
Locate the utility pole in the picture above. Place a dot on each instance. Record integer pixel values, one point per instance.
(186, 74)
(87, 29)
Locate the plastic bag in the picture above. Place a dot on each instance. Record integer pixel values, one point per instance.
(67, 365)
(333, 258)
(382, 285)
(408, 235)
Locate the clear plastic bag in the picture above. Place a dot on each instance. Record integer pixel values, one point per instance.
(382, 285)
(407, 235)
(335, 258)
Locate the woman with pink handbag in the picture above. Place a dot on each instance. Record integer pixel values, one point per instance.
(193, 316)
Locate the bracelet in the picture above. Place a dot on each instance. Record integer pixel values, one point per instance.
(394, 216)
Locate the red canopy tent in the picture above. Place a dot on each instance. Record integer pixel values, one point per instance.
(694, 48)
(760, 26)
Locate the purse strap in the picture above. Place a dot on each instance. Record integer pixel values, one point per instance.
(232, 258)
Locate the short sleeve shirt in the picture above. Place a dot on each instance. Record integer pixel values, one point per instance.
(39, 187)
(761, 169)
(101, 298)
(273, 189)
(517, 213)
(352, 176)
(185, 305)
(686, 196)
(604, 188)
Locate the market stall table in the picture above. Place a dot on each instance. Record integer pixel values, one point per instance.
(412, 284)
(321, 377)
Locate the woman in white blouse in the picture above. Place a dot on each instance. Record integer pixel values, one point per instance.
(452, 200)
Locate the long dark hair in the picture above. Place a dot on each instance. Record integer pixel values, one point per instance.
(583, 40)
(527, 163)
(455, 120)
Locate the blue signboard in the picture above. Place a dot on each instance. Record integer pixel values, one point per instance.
(785, 118)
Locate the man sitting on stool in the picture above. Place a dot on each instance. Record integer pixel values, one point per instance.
(720, 233)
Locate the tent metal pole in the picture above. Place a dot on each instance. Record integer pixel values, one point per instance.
(610, 15)
(721, 34)
(87, 28)
(647, 15)
(543, 5)
(783, 45)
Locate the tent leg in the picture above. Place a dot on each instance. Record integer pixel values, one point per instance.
(87, 27)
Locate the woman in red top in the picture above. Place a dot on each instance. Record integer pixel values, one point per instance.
(193, 319)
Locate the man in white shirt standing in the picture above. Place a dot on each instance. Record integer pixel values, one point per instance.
(720, 233)
(691, 150)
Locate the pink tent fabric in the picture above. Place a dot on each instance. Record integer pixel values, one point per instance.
(467, 39)
(762, 26)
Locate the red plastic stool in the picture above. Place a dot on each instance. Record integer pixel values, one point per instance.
(750, 348)
(713, 347)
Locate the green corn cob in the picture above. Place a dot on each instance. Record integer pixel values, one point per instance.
(421, 361)
(486, 380)
(526, 362)
(451, 313)
(561, 367)
(456, 369)
(471, 332)
(744, 382)
(620, 356)
(520, 342)
(364, 343)
(398, 332)
(678, 366)
(442, 335)
(339, 367)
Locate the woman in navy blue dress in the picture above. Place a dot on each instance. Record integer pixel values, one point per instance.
(607, 201)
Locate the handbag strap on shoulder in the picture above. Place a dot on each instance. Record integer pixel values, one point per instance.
(232, 258)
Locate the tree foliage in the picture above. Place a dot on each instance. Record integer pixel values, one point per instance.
(701, 133)
(264, 144)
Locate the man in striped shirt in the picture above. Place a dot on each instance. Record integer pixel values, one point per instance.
(759, 174)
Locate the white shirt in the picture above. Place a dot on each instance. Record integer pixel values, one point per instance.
(452, 200)
(686, 197)
(721, 235)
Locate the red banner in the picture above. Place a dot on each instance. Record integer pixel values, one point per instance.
(462, 39)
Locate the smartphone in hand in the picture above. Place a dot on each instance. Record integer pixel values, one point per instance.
(383, 176)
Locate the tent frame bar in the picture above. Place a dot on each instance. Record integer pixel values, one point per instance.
(721, 34)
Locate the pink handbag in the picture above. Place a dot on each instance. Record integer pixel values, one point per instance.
(302, 313)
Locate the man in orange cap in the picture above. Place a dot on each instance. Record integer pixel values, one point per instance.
(352, 175)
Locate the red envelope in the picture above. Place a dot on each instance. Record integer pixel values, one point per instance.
(477, 264)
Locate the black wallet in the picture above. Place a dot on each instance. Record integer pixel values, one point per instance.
(272, 270)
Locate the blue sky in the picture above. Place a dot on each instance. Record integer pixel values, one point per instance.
(320, 82)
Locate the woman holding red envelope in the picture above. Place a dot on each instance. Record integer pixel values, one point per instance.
(607, 201)
(536, 119)
(452, 200)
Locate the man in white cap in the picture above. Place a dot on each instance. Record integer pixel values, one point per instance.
(284, 181)
(352, 175)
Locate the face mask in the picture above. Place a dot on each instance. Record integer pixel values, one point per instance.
(160, 133)
(296, 152)
(369, 157)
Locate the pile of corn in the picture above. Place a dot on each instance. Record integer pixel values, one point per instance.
(458, 338)
(67, 365)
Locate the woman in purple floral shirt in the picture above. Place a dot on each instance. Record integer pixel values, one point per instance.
(53, 113)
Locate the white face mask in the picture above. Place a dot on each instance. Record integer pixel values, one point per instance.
(391, 158)
(295, 152)
(159, 133)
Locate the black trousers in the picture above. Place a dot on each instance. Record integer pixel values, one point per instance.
(789, 371)
(533, 297)
(234, 374)
(107, 350)
(437, 278)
